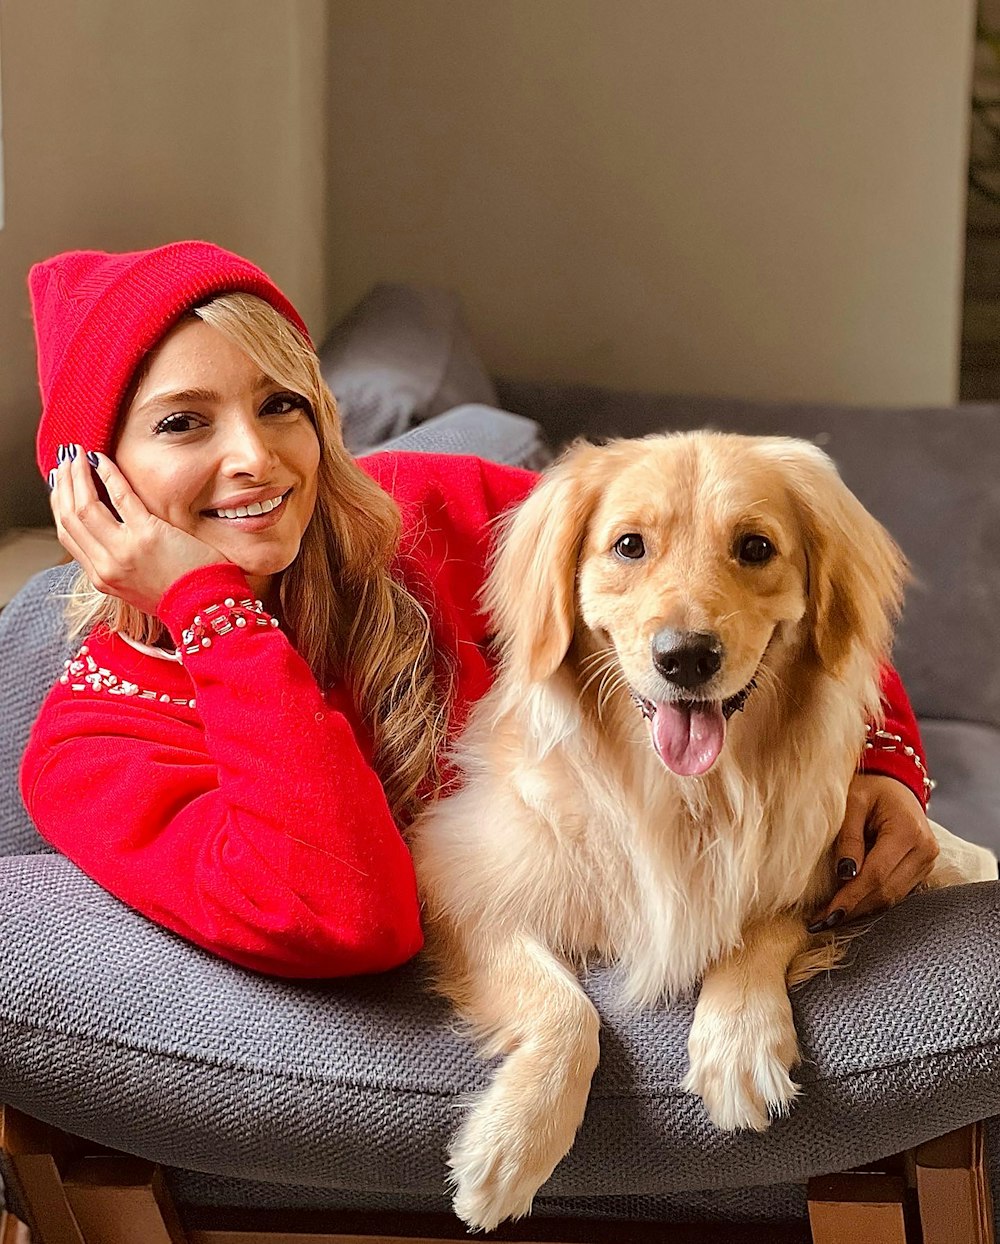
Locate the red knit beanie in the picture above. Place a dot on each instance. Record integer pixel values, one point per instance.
(97, 315)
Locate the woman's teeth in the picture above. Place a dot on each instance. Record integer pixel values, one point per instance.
(252, 510)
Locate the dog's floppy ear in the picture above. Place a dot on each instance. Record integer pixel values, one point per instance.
(531, 591)
(856, 571)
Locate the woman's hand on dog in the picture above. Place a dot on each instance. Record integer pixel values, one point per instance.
(134, 556)
(884, 850)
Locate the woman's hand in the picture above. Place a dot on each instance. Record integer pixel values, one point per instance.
(136, 559)
(884, 850)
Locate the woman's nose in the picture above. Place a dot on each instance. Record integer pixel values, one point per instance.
(247, 449)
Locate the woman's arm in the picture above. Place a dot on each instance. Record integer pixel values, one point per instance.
(895, 748)
(252, 824)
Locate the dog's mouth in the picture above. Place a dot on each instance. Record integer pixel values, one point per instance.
(688, 735)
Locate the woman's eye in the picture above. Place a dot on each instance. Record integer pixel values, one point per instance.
(630, 546)
(755, 550)
(284, 404)
(177, 422)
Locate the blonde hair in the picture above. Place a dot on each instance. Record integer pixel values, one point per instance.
(348, 615)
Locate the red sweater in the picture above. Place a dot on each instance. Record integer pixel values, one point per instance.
(226, 797)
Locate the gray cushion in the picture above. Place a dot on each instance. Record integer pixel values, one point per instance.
(123, 1033)
(33, 646)
(932, 476)
(964, 761)
(480, 430)
(403, 355)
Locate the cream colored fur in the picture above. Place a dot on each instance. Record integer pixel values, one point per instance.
(570, 840)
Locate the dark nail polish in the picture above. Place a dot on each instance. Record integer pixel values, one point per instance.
(52, 479)
(72, 451)
(847, 869)
(92, 458)
(60, 454)
(832, 920)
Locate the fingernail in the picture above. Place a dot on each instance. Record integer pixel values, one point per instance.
(92, 458)
(72, 451)
(832, 920)
(52, 479)
(847, 869)
(60, 454)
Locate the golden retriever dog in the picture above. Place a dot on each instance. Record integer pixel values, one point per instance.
(692, 628)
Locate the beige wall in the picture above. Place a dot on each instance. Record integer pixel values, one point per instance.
(760, 198)
(128, 123)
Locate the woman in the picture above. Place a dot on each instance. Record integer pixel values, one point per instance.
(277, 641)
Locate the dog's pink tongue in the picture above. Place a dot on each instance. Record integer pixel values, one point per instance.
(688, 737)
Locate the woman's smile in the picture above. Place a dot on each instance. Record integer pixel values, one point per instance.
(244, 511)
(213, 446)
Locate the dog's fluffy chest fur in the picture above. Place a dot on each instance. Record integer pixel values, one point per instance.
(600, 852)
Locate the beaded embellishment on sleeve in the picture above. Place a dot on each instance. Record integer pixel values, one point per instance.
(221, 619)
(883, 741)
(82, 673)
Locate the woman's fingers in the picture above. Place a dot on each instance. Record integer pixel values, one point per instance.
(120, 493)
(900, 858)
(910, 872)
(868, 891)
(126, 551)
(849, 849)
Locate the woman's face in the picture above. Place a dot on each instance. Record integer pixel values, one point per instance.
(207, 436)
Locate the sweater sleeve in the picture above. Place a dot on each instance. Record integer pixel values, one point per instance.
(895, 749)
(251, 822)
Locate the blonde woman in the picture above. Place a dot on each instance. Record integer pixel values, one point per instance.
(272, 648)
(277, 642)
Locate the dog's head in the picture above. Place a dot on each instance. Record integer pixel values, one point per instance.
(692, 565)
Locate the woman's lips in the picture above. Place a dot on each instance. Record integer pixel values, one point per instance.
(251, 522)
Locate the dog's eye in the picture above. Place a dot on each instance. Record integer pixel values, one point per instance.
(630, 546)
(755, 550)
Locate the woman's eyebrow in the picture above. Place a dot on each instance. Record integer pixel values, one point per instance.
(180, 396)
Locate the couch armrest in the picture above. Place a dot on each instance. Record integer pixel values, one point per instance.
(119, 1031)
(34, 646)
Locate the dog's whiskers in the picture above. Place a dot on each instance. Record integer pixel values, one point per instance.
(613, 680)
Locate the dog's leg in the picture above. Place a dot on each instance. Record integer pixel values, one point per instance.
(743, 1042)
(527, 1004)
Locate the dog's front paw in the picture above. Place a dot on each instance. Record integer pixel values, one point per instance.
(740, 1060)
(506, 1149)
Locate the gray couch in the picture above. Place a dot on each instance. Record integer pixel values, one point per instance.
(259, 1094)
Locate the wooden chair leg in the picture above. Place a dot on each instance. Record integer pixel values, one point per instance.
(35, 1152)
(122, 1200)
(13, 1230)
(953, 1188)
(858, 1205)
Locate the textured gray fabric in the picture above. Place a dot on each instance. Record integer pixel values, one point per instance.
(401, 356)
(192, 1189)
(480, 430)
(33, 646)
(118, 1031)
(931, 476)
(964, 761)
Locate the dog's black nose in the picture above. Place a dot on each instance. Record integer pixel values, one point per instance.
(688, 659)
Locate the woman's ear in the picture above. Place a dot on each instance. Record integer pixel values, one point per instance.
(531, 591)
(855, 570)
